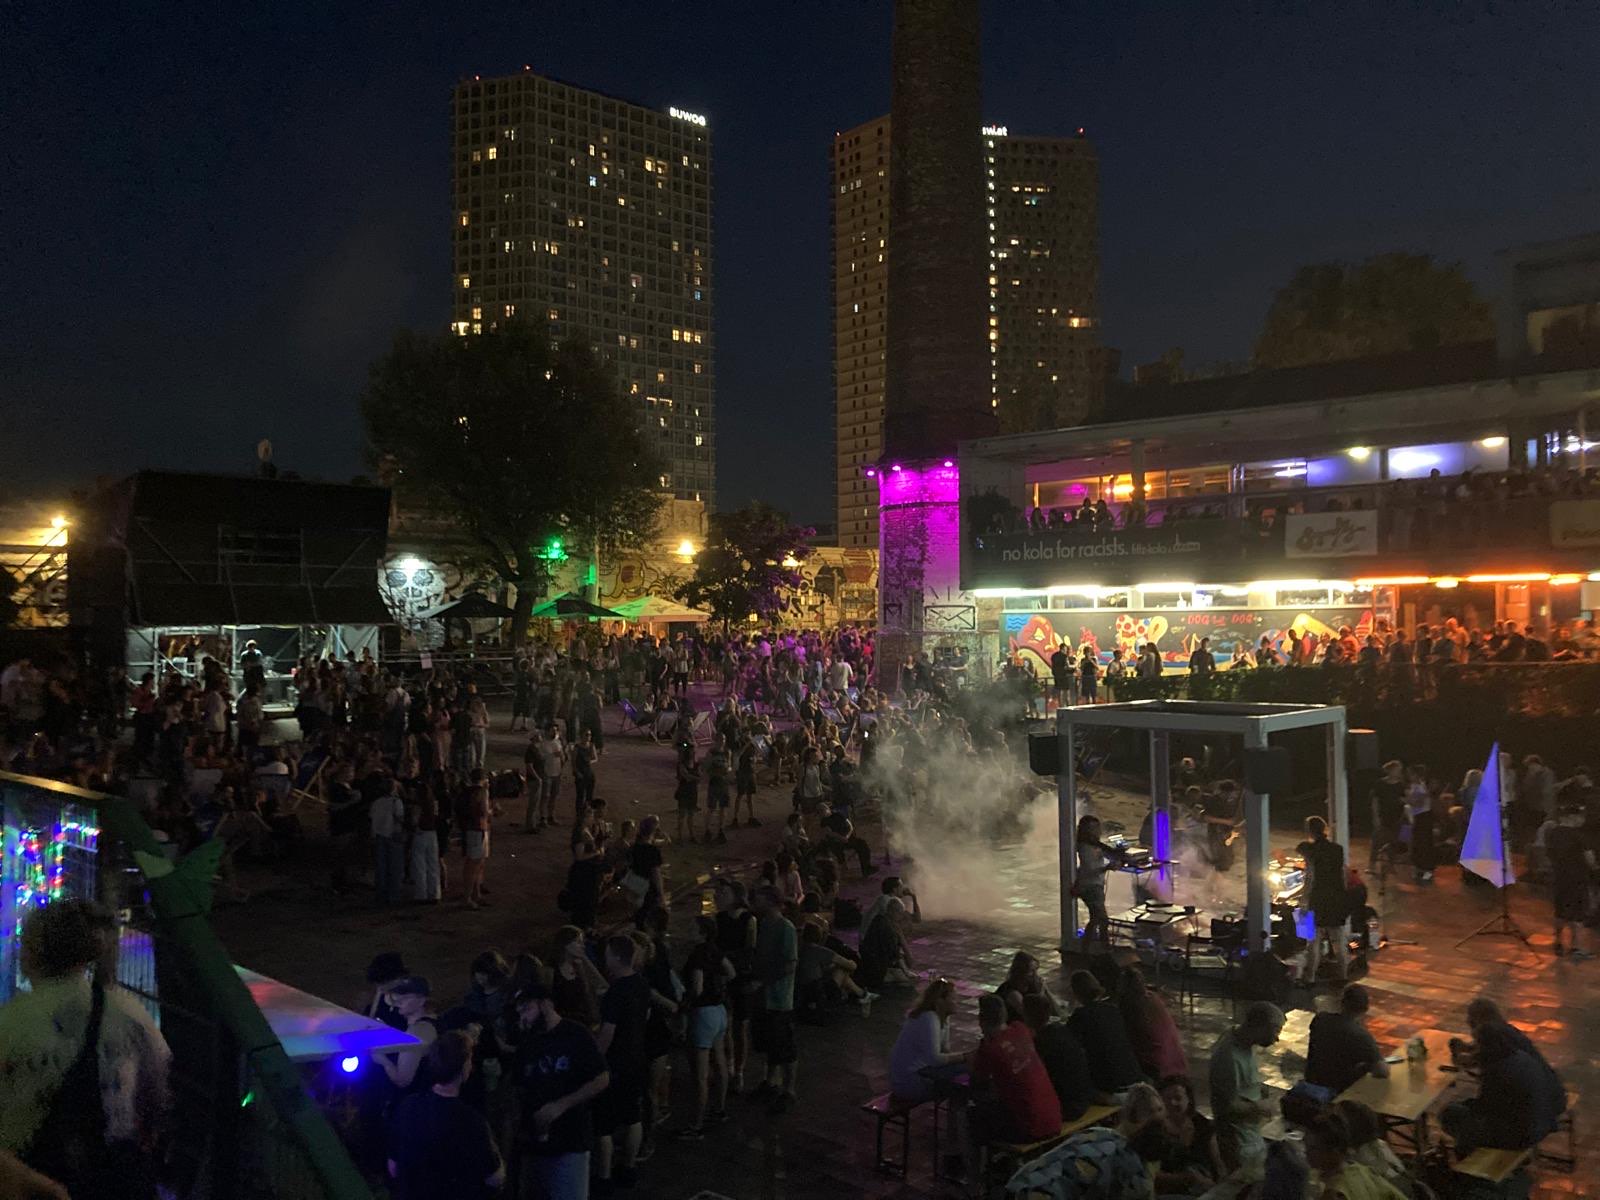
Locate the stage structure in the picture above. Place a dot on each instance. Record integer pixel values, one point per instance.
(1255, 723)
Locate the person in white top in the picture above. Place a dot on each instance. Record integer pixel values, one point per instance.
(387, 817)
(924, 1042)
(43, 1030)
(839, 674)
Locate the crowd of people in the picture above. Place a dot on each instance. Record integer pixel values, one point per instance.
(1437, 510)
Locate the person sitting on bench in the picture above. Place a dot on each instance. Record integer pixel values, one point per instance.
(1013, 1099)
(1520, 1098)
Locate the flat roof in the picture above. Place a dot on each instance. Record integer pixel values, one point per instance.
(1200, 716)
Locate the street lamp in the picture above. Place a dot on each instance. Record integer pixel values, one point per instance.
(686, 549)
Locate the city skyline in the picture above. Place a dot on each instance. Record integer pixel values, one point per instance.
(221, 261)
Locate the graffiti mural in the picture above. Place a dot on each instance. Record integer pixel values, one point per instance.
(1176, 632)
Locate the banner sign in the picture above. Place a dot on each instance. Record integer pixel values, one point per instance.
(1330, 535)
(1175, 631)
(1575, 523)
(1185, 550)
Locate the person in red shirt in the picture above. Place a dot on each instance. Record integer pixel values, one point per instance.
(1013, 1098)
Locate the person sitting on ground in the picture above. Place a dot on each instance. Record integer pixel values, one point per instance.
(1151, 1029)
(1238, 1098)
(885, 957)
(1063, 1057)
(438, 1144)
(1328, 1146)
(1013, 1100)
(923, 1043)
(1023, 980)
(1367, 1145)
(1112, 1064)
(1520, 1098)
(1341, 1050)
(823, 977)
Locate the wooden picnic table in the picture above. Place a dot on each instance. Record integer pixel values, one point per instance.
(1412, 1088)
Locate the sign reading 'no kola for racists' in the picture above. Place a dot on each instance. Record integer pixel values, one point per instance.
(1061, 549)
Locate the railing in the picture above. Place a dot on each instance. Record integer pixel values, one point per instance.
(243, 1125)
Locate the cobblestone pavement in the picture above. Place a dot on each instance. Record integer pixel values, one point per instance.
(293, 928)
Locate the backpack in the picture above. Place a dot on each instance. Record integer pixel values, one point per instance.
(70, 1144)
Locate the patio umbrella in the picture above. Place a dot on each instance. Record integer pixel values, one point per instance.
(472, 606)
(655, 608)
(569, 607)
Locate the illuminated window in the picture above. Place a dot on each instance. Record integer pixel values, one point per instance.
(636, 281)
(492, 153)
(477, 313)
(466, 281)
(511, 310)
(698, 440)
(594, 181)
(649, 164)
(661, 376)
(697, 370)
(460, 327)
(477, 156)
(510, 246)
(555, 314)
(633, 387)
(677, 336)
(622, 202)
(466, 219)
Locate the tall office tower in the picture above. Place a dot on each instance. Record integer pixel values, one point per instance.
(593, 216)
(1042, 245)
(860, 292)
(1044, 280)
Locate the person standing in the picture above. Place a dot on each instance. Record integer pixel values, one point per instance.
(584, 755)
(1089, 674)
(477, 811)
(552, 761)
(1202, 663)
(478, 729)
(1327, 895)
(1388, 810)
(707, 977)
(427, 887)
(777, 958)
(745, 783)
(1572, 863)
(719, 774)
(248, 715)
(624, 1013)
(1061, 673)
(560, 1073)
(1238, 1099)
(387, 816)
(438, 1144)
(687, 790)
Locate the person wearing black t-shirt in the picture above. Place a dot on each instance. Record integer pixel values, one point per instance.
(736, 937)
(1062, 1054)
(1327, 896)
(438, 1144)
(559, 1073)
(1572, 863)
(1341, 1050)
(1097, 1021)
(1388, 810)
(624, 1011)
(644, 861)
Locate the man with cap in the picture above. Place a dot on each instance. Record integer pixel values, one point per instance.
(559, 1072)
(410, 999)
(438, 1144)
(1238, 1098)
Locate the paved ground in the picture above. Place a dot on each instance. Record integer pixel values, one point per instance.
(293, 928)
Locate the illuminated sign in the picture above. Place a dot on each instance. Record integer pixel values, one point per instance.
(683, 115)
(994, 131)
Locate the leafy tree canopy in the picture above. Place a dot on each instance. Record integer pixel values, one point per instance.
(519, 442)
(1330, 312)
(750, 564)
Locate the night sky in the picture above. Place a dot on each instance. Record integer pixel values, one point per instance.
(212, 223)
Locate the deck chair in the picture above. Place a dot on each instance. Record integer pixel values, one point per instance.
(700, 728)
(644, 722)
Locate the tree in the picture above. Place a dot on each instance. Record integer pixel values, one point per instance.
(1330, 312)
(750, 564)
(528, 447)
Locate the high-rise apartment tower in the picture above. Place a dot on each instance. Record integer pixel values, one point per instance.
(593, 216)
(1042, 248)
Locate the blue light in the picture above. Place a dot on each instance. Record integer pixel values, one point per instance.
(349, 1064)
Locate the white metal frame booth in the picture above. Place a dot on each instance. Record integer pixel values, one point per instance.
(1256, 723)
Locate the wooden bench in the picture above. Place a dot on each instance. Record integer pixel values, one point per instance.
(1023, 1151)
(1491, 1165)
(889, 1109)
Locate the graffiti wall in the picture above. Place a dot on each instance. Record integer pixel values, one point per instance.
(1175, 631)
